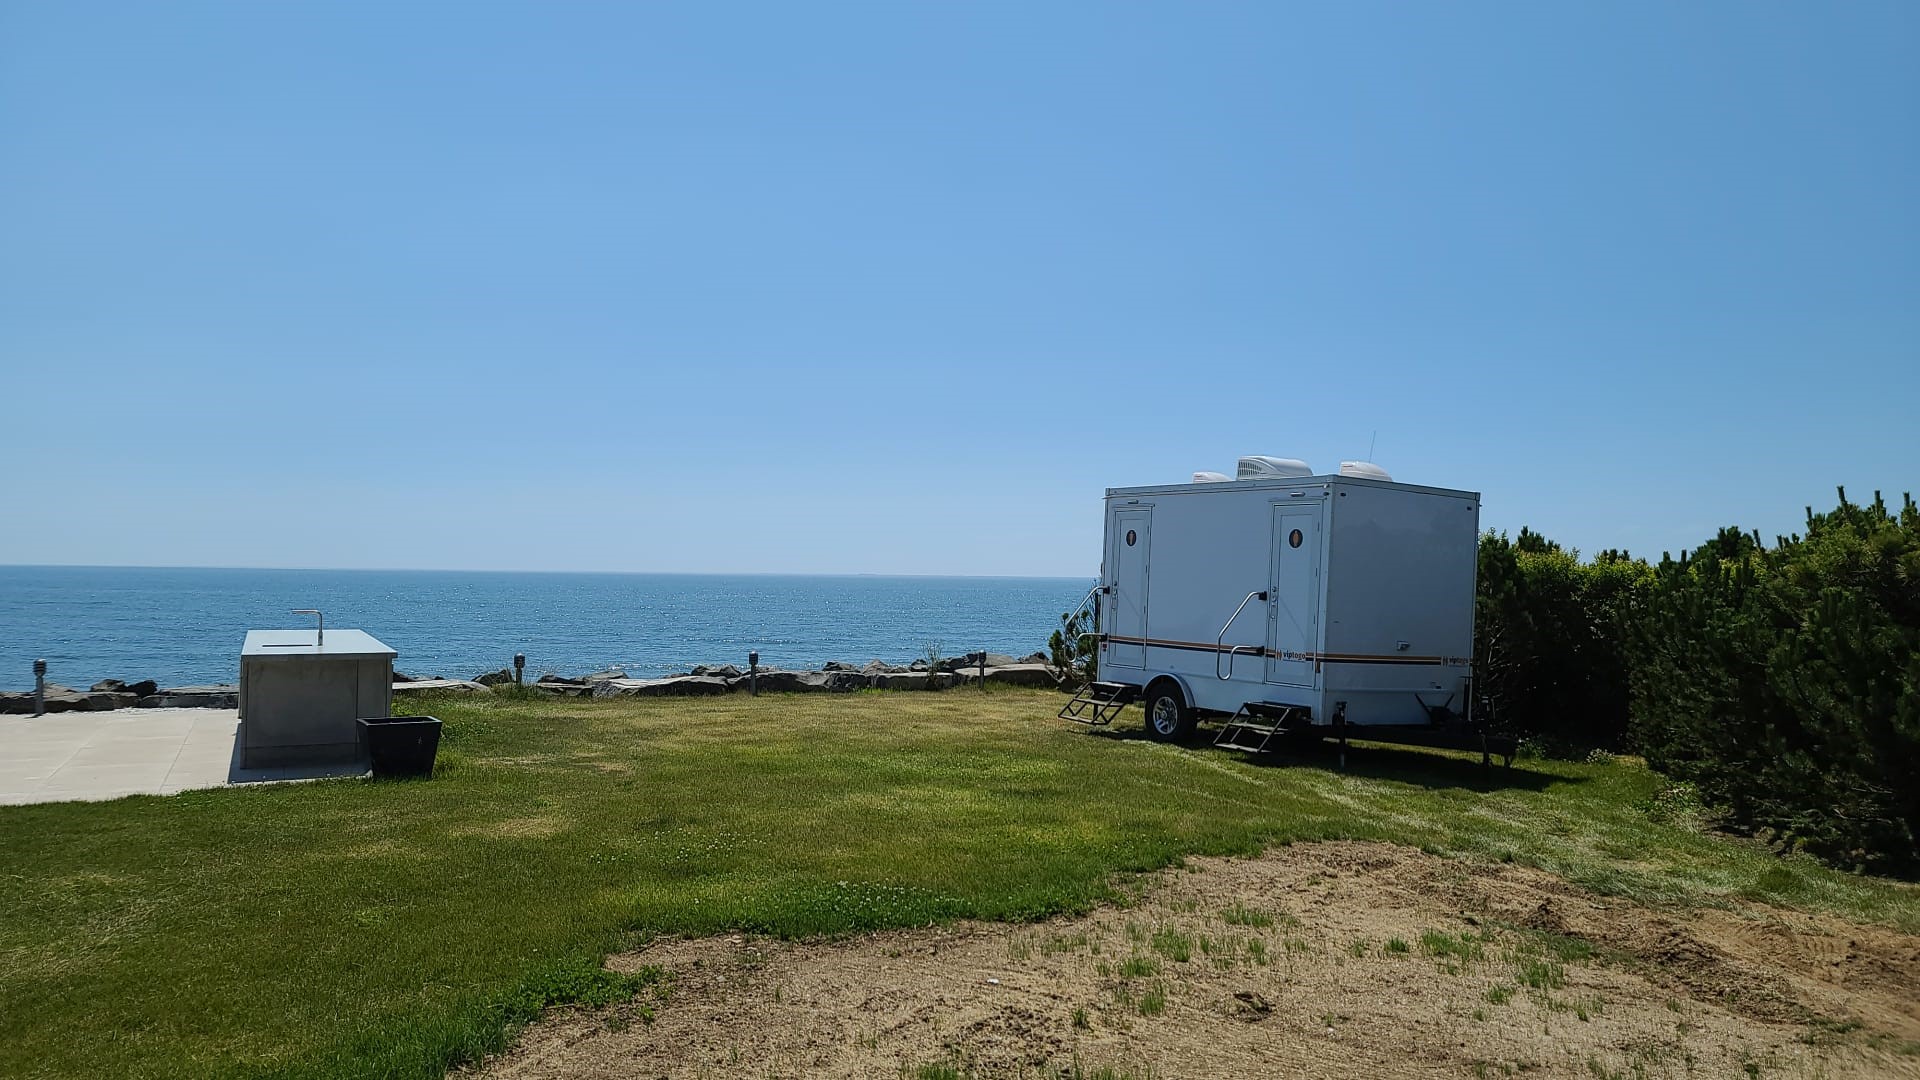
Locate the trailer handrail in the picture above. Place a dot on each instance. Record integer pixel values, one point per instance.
(1068, 619)
(1219, 643)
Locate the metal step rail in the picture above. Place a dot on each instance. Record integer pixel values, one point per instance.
(1098, 703)
(1087, 605)
(1257, 724)
(1220, 642)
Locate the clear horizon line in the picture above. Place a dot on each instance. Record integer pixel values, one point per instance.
(469, 570)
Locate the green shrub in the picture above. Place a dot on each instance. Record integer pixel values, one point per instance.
(1779, 685)
(1784, 682)
(1550, 656)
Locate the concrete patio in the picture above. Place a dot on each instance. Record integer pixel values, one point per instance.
(68, 757)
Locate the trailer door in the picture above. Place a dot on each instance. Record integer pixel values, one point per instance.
(1293, 600)
(1126, 609)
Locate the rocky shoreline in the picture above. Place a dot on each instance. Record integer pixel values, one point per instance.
(703, 680)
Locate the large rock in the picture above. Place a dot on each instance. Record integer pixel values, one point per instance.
(972, 661)
(88, 701)
(673, 686)
(562, 689)
(216, 696)
(881, 667)
(439, 686)
(1022, 675)
(558, 680)
(66, 699)
(912, 680)
(717, 671)
(1036, 658)
(776, 682)
(603, 676)
(835, 665)
(494, 678)
(838, 681)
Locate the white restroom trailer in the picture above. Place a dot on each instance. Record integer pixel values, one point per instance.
(1291, 604)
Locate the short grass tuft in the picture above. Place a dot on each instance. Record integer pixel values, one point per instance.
(1173, 945)
(1540, 974)
(1241, 915)
(1153, 1001)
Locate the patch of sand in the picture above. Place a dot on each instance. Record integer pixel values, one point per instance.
(1316, 960)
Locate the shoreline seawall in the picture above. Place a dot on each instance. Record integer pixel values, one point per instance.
(700, 680)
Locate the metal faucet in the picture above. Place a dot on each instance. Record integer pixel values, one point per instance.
(320, 634)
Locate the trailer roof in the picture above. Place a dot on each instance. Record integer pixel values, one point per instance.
(1285, 482)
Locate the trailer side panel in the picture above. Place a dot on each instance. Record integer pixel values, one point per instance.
(1400, 588)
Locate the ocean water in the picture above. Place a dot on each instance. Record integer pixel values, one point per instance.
(180, 626)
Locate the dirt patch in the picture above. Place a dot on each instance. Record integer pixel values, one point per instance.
(1321, 960)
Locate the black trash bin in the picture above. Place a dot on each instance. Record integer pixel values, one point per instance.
(401, 745)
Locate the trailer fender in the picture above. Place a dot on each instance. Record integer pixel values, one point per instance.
(1179, 681)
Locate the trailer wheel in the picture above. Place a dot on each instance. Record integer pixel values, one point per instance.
(1169, 718)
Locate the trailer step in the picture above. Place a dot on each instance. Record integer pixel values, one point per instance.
(1098, 703)
(1258, 723)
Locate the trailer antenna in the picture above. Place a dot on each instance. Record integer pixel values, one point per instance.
(1370, 442)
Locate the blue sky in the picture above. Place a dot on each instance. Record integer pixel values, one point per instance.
(902, 288)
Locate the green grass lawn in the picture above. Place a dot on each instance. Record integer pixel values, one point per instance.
(350, 928)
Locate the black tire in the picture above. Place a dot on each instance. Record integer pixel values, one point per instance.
(1169, 718)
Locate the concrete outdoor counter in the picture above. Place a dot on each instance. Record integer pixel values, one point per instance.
(357, 644)
(301, 695)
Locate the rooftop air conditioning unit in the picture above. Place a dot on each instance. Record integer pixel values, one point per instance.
(1365, 470)
(1272, 468)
